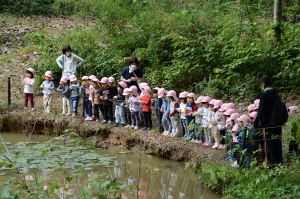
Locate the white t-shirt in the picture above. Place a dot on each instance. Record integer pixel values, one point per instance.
(70, 63)
(222, 121)
(182, 108)
(27, 88)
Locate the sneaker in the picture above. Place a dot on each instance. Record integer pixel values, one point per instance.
(167, 133)
(89, 119)
(104, 122)
(116, 124)
(47, 112)
(235, 164)
(208, 144)
(110, 123)
(148, 129)
(136, 128)
(73, 115)
(33, 109)
(204, 144)
(216, 146)
(222, 146)
(25, 108)
(145, 128)
(164, 133)
(93, 116)
(86, 115)
(97, 120)
(132, 126)
(68, 114)
(128, 126)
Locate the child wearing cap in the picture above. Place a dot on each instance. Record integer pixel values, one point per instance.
(65, 92)
(247, 133)
(120, 105)
(84, 89)
(127, 109)
(157, 102)
(213, 123)
(173, 113)
(233, 154)
(182, 109)
(74, 87)
(205, 119)
(221, 120)
(106, 93)
(90, 115)
(190, 109)
(165, 110)
(48, 90)
(96, 101)
(28, 82)
(134, 107)
(198, 136)
(145, 102)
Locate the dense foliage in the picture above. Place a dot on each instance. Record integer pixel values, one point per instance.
(216, 47)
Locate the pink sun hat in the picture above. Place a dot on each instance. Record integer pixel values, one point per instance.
(85, 78)
(230, 105)
(92, 77)
(234, 116)
(126, 92)
(47, 74)
(95, 80)
(223, 107)
(64, 79)
(161, 92)
(206, 99)
(133, 89)
(228, 121)
(218, 103)
(244, 118)
(256, 102)
(251, 107)
(191, 95)
(199, 100)
(73, 78)
(172, 93)
(122, 84)
(212, 102)
(293, 108)
(229, 112)
(143, 84)
(31, 70)
(111, 80)
(183, 95)
(236, 128)
(253, 114)
(147, 89)
(104, 80)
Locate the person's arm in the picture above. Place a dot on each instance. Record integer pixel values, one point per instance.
(75, 85)
(59, 88)
(51, 86)
(59, 61)
(176, 106)
(79, 60)
(66, 90)
(168, 107)
(123, 75)
(42, 85)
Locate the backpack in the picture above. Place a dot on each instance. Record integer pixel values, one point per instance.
(280, 114)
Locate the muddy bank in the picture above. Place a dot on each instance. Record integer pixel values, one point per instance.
(103, 136)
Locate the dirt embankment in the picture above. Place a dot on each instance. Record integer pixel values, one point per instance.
(152, 142)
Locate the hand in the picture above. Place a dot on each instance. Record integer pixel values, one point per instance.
(128, 80)
(166, 114)
(152, 101)
(41, 86)
(93, 104)
(105, 98)
(49, 88)
(161, 110)
(115, 97)
(71, 87)
(22, 76)
(133, 79)
(125, 106)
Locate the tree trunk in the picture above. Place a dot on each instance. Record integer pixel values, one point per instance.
(277, 19)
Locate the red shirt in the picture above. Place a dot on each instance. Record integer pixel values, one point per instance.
(146, 107)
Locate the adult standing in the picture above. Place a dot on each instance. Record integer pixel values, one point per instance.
(132, 74)
(68, 62)
(273, 144)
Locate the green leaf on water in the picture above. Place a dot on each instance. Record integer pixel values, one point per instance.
(85, 191)
(95, 186)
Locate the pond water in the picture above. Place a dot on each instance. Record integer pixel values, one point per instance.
(156, 176)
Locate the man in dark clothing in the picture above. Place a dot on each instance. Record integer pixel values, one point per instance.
(132, 74)
(273, 142)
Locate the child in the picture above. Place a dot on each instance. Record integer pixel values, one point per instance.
(251, 108)
(244, 122)
(198, 120)
(234, 146)
(232, 135)
(165, 110)
(256, 102)
(120, 103)
(65, 92)
(145, 102)
(28, 82)
(96, 101)
(85, 84)
(127, 109)
(141, 86)
(112, 84)
(74, 87)
(173, 113)
(48, 87)
(182, 109)
(221, 120)
(90, 115)
(134, 107)
(106, 93)
(205, 119)
(214, 106)
(190, 109)
(157, 102)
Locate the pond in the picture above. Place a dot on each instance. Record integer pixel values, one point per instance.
(157, 177)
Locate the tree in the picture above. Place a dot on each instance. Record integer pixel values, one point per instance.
(277, 19)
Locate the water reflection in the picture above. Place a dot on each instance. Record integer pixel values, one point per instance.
(150, 177)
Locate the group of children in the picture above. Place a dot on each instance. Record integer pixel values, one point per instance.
(201, 120)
